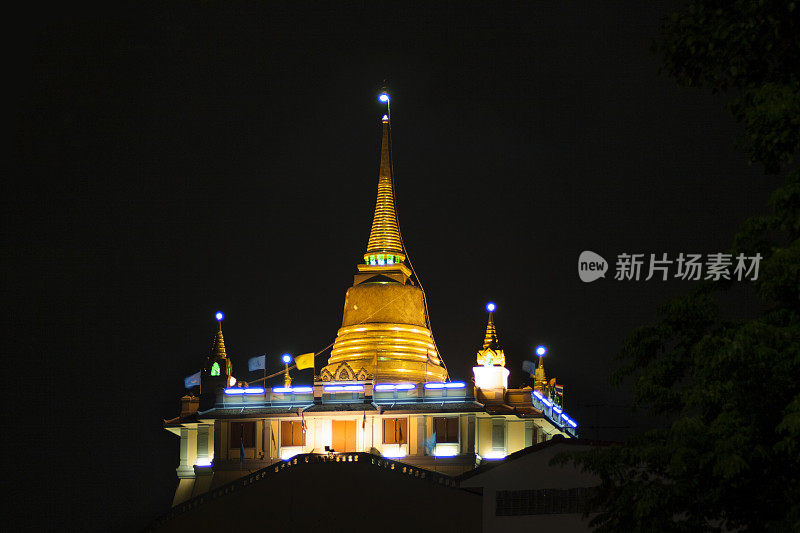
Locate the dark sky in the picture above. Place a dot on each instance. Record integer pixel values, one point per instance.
(184, 157)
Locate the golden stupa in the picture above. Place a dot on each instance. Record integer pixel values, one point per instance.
(385, 334)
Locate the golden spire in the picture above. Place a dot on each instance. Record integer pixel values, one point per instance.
(491, 354)
(385, 334)
(218, 347)
(385, 247)
(218, 362)
(539, 377)
(491, 340)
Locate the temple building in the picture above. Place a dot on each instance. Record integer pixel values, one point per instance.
(385, 395)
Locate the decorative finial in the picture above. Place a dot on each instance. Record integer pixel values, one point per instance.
(491, 307)
(287, 381)
(383, 95)
(384, 98)
(539, 377)
(219, 315)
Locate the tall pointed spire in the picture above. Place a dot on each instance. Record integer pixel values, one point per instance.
(491, 372)
(385, 334)
(385, 246)
(218, 346)
(491, 353)
(491, 340)
(217, 362)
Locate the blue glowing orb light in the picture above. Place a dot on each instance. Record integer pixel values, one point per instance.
(219, 316)
(491, 307)
(541, 350)
(384, 98)
(287, 358)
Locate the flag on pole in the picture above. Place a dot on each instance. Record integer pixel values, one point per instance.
(192, 381)
(305, 360)
(241, 451)
(560, 390)
(257, 363)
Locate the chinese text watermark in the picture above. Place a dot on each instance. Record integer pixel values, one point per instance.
(690, 267)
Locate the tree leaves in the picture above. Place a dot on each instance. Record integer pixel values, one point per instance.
(727, 455)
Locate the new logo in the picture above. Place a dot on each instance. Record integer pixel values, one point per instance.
(591, 266)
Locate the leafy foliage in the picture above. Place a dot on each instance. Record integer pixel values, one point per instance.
(752, 49)
(728, 390)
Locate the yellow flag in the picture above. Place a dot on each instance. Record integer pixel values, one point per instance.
(304, 361)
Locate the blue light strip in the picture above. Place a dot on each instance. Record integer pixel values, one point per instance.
(295, 390)
(542, 399)
(557, 414)
(449, 385)
(343, 388)
(395, 386)
(239, 390)
(570, 421)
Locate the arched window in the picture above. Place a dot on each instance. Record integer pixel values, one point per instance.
(215, 369)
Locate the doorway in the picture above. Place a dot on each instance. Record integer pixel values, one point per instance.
(344, 435)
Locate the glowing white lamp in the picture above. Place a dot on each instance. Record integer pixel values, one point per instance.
(491, 307)
(383, 98)
(541, 350)
(219, 316)
(286, 358)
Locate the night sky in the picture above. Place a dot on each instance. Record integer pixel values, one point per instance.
(183, 157)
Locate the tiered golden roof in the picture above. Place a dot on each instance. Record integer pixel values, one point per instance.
(385, 334)
(490, 340)
(218, 347)
(491, 354)
(218, 357)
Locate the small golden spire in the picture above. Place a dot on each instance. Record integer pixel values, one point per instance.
(287, 380)
(491, 354)
(218, 356)
(385, 247)
(539, 377)
(491, 340)
(218, 348)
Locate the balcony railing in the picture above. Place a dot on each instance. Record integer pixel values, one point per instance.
(299, 461)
